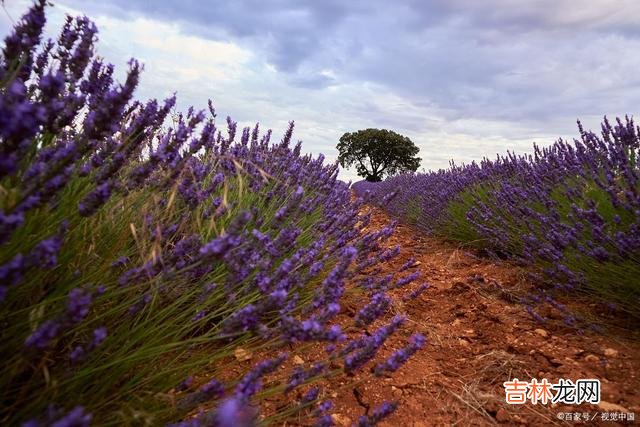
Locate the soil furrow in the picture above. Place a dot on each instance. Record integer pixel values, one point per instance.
(478, 337)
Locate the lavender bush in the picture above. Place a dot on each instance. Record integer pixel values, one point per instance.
(140, 248)
(571, 211)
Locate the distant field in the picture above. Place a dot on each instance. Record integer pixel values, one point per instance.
(570, 211)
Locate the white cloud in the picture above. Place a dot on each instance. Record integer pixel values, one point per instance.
(462, 79)
(173, 57)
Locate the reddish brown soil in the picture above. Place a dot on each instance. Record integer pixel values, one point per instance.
(477, 338)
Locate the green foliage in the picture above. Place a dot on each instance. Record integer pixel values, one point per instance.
(413, 211)
(612, 282)
(377, 153)
(139, 257)
(148, 352)
(454, 224)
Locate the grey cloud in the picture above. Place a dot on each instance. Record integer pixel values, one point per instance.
(494, 59)
(493, 69)
(289, 32)
(312, 81)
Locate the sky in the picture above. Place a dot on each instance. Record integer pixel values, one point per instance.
(463, 79)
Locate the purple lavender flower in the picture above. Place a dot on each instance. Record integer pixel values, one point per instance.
(208, 391)
(376, 308)
(407, 279)
(138, 306)
(311, 395)
(78, 303)
(251, 383)
(245, 319)
(417, 292)
(45, 253)
(366, 346)
(98, 197)
(213, 388)
(324, 421)
(42, 336)
(328, 312)
(315, 268)
(19, 45)
(121, 261)
(378, 414)
(77, 417)
(12, 272)
(199, 315)
(535, 315)
(321, 412)
(399, 357)
(76, 355)
(216, 247)
(233, 412)
(410, 262)
(185, 384)
(206, 291)
(79, 353)
(9, 223)
(193, 422)
(300, 375)
(324, 407)
(308, 330)
(99, 335)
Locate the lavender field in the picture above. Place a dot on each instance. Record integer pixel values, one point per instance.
(144, 249)
(570, 211)
(167, 267)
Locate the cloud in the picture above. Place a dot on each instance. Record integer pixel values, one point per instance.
(462, 79)
(547, 15)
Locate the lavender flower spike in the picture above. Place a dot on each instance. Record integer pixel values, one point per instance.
(378, 305)
(399, 357)
(417, 292)
(378, 414)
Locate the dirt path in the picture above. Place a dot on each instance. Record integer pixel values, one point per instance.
(477, 338)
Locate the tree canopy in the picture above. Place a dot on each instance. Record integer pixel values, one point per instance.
(377, 153)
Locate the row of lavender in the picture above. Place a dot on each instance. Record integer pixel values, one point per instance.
(571, 210)
(145, 253)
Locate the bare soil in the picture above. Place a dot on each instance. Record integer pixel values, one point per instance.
(479, 336)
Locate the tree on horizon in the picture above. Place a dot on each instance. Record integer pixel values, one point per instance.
(377, 153)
